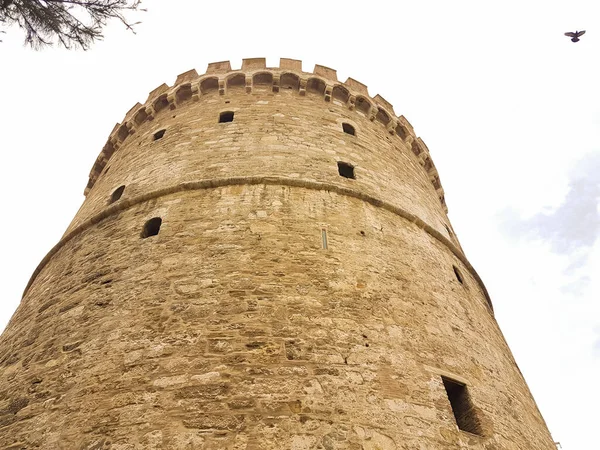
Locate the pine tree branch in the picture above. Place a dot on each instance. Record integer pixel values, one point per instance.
(70, 23)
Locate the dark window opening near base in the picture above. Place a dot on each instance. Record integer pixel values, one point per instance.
(349, 129)
(117, 193)
(346, 170)
(152, 227)
(159, 134)
(462, 406)
(226, 116)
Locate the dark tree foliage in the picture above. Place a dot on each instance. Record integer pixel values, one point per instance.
(70, 23)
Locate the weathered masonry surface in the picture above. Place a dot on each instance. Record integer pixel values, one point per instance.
(263, 261)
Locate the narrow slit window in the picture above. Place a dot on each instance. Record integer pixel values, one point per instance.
(448, 230)
(346, 170)
(152, 227)
(458, 275)
(462, 406)
(159, 134)
(226, 116)
(324, 238)
(349, 129)
(117, 193)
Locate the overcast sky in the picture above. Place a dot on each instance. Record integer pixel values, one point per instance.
(508, 106)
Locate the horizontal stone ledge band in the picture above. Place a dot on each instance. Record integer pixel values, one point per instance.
(255, 180)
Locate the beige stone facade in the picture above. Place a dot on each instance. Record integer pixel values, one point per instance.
(263, 261)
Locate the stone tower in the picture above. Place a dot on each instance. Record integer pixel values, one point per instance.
(263, 261)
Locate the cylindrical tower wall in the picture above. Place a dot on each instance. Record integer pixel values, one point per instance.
(279, 305)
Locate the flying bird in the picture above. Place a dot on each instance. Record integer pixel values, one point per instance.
(575, 36)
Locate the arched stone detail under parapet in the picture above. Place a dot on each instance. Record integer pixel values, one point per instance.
(316, 86)
(160, 103)
(363, 105)
(116, 145)
(262, 80)
(208, 85)
(416, 148)
(289, 81)
(108, 150)
(428, 164)
(340, 94)
(183, 93)
(290, 77)
(406, 124)
(235, 81)
(140, 116)
(401, 131)
(122, 133)
(382, 116)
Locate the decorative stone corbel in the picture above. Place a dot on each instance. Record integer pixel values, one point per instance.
(352, 102)
(302, 89)
(328, 92)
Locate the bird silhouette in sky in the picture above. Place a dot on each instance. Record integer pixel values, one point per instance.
(575, 36)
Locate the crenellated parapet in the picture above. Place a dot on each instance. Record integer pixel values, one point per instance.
(220, 78)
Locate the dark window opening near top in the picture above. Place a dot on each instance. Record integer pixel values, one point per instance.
(117, 193)
(462, 406)
(226, 116)
(152, 227)
(346, 170)
(458, 274)
(159, 134)
(349, 129)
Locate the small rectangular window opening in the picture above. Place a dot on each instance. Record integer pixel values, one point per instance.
(226, 116)
(159, 134)
(348, 129)
(346, 170)
(324, 238)
(151, 227)
(462, 407)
